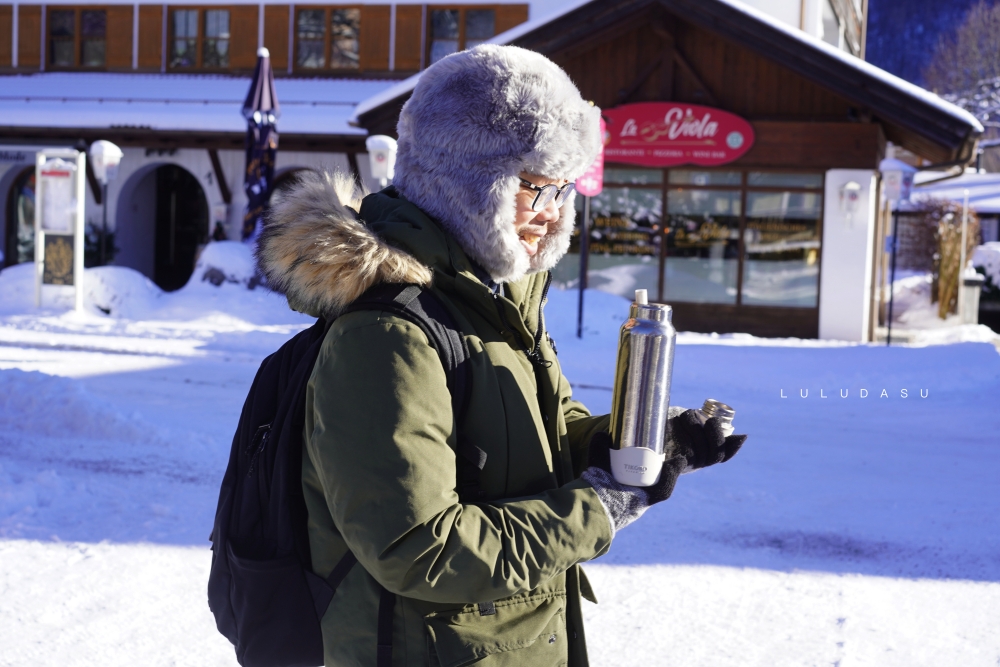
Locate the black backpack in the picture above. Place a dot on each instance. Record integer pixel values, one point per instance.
(262, 590)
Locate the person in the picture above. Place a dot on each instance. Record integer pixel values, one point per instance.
(481, 208)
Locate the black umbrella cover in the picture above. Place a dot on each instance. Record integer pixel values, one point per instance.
(261, 109)
(262, 146)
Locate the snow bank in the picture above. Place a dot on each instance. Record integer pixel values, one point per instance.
(988, 257)
(217, 295)
(120, 292)
(45, 405)
(225, 261)
(115, 291)
(17, 288)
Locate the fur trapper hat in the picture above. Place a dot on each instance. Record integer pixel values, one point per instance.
(477, 119)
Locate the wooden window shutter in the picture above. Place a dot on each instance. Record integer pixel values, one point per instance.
(243, 36)
(508, 16)
(119, 37)
(374, 37)
(150, 36)
(409, 30)
(6, 40)
(29, 34)
(276, 35)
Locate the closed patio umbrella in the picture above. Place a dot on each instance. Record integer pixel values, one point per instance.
(261, 109)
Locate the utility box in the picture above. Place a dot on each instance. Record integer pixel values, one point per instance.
(59, 225)
(972, 287)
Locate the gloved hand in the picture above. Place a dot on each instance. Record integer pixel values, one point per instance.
(700, 444)
(624, 504)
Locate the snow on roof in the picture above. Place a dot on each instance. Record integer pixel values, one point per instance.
(856, 63)
(904, 87)
(984, 190)
(406, 85)
(186, 102)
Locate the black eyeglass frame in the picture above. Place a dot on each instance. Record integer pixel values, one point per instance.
(560, 193)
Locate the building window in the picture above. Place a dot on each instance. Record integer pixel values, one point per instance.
(781, 238)
(328, 38)
(452, 30)
(707, 236)
(216, 49)
(77, 37)
(199, 38)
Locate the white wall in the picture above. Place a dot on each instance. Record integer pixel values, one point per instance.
(845, 269)
(786, 11)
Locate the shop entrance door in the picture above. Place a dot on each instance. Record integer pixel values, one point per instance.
(181, 226)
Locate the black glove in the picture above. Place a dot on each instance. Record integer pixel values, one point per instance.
(624, 504)
(700, 444)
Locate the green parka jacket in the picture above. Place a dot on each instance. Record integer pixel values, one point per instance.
(379, 472)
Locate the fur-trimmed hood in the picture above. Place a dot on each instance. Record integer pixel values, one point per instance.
(476, 120)
(316, 251)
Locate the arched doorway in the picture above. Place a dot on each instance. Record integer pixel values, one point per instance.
(181, 226)
(161, 223)
(19, 234)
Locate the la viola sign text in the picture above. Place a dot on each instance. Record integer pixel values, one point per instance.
(666, 134)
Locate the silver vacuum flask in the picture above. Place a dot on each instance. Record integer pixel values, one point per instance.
(642, 392)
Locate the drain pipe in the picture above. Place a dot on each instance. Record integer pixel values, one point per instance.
(961, 162)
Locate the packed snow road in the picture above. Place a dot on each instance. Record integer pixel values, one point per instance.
(848, 531)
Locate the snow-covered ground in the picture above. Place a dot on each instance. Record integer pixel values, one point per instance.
(849, 531)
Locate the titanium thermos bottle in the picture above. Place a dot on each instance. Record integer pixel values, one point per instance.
(642, 392)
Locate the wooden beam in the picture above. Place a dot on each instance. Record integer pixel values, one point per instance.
(685, 67)
(95, 187)
(165, 140)
(669, 53)
(220, 176)
(625, 93)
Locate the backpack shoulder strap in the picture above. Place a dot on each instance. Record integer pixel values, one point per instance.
(423, 308)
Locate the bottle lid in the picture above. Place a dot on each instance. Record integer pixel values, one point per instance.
(714, 408)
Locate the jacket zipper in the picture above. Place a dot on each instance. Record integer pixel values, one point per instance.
(534, 354)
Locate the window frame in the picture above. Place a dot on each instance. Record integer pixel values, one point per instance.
(199, 38)
(77, 38)
(462, 9)
(743, 188)
(327, 67)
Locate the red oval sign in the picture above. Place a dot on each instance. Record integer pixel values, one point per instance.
(667, 134)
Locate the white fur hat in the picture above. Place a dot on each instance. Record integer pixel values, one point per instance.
(477, 119)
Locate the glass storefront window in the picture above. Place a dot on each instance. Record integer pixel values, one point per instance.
(775, 179)
(633, 176)
(782, 243)
(624, 241)
(708, 215)
(703, 228)
(692, 177)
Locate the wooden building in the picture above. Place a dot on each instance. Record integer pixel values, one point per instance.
(785, 240)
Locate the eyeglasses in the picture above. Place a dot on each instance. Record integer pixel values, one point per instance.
(546, 193)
